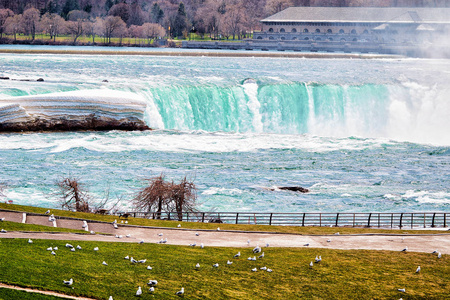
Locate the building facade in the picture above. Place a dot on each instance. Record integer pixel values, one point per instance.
(368, 28)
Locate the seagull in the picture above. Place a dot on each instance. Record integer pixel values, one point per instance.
(202, 246)
(337, 233)
(128, 235)
(216, 265)
(237, 255)
(197, 266)
(68, 282)
(328, 241)
(133, 260)
(96, 249)
(149, 268)
(53, 253)
(418, 269)
(55, 248)
(92, 232)
(261, 256)
(30, 241)
(197, 234)
(439, 255)
(435, 251)
(152, 282)
(2, 219)
(405, 249)
(69, 246)
(401, 290)
(306, 245)
(110, 298)
(179, 225)
(127, 257)
(218, 228)
(47, 212)
(229, 262)
(254, 269)
(252, 258)
(72, 249)
(141, 242)
(151, 289)
(267, 245)
(248, 242)
(104, 263)
(160, 234)
(269, 270)
(78, 247)
(180, 292)
(311, 264)
(142, 261)
(115, 226)
(49, 249)
(318, 259)
(84, 224)
(139, 291)
(193, 245)
(257, 249)
(263, 268)
(3, 231)
(126, 222)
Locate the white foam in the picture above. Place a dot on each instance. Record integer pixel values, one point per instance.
(428, 197)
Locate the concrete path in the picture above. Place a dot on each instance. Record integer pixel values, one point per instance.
(180, 236)
(29, 290)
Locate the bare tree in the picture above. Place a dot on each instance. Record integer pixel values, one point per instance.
(183, 196)
(154, 196)
(30, 21)
(53, 24)
(111, 25)
(4, 15)
(152, 31)
(2, 191)
(72, 195)
(13, 25)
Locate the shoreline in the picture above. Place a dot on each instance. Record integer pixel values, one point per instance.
(184, 53)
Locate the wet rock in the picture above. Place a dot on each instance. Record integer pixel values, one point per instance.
(40, 79)
(294, 189)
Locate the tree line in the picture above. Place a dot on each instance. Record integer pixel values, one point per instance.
(151, 19)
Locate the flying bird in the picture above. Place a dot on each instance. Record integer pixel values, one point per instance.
(180, 292)
(418, 269)
(139, 291)
(68, 282)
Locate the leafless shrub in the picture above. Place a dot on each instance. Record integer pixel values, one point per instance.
(72, 195)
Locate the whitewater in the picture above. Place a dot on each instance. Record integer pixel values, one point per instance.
(364, 135)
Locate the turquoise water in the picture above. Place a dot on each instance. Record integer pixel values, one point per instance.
(362, 135)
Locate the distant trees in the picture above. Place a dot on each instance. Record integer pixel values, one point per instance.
(73, 196)
(30, 21)
(180, 22)
(4, 15)
(112, 25)
(152, 31)
(53, 24)
(161, 195)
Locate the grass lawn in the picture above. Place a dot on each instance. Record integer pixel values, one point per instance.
(8, 294)
(342, 274)
(13, 226)
(198, 225)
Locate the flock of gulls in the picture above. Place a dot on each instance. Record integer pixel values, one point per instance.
(257, 253)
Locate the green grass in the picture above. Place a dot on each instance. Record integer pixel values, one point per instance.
(210, 226)
(13, 226)
(8, 294)
(342, 274)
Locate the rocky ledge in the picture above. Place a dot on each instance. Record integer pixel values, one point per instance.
(73, 111)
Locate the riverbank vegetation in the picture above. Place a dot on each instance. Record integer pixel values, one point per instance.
(149, 22)
(341, 274)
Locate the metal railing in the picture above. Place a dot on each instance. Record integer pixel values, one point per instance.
(378, 219)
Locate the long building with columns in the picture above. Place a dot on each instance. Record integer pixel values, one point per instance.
(367, 29)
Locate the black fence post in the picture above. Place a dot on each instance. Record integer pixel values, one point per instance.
(337, 219)
(270, 220)
(432, 222)
(401, 219)
(303, 220)
(368, 221)
(237, 218)
(203, 217)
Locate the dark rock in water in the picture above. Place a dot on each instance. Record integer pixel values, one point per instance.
(4, 78)
(40, 79)
(294, 189)
(105, 80)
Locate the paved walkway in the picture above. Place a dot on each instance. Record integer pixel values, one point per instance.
(29, 290)
(180, 236)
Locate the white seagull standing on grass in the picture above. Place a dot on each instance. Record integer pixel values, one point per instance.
(216, 265)
(68, 282)
(152, 282)
(78, 247)
(401, 290)
(139, 291)
(96, 249)
(151, 289)
(180, 292)
(257, 249)
(30, 241)
(229, 262)
(418, 269)
(261, 256)
(104, 263)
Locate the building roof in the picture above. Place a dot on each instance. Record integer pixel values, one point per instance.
(362, 14)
